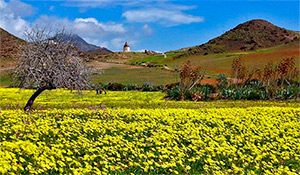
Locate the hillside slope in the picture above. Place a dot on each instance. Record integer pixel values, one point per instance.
(9, 45)
(248, 36)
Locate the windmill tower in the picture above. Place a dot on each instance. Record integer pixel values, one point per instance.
(126, 47)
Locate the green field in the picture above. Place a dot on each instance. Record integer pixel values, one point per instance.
(214, 64)
(221, 63)
(139, 76)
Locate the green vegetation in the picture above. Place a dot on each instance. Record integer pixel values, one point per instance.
(138, 76)
(213, 63)
(274, 82)
(6, 78)
(151, 58)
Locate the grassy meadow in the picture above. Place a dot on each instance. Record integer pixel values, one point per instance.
(137, 76)
(214, 64)
(128, 70)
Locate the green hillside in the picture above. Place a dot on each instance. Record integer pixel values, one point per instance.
(142, 68)
(268, 43)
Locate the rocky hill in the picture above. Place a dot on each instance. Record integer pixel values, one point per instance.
(9, 45)
(247, 36)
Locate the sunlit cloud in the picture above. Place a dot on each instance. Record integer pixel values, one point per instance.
(161, 16)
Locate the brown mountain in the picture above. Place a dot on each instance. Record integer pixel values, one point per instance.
(247, 36)
(9, 45)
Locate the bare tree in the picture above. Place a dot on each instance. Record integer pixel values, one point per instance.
(48, 64)
(238, 71)
(190, 76)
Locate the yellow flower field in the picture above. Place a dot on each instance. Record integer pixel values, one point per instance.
(13, 98)
(146, 139)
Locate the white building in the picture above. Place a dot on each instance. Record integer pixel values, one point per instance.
(126, 47)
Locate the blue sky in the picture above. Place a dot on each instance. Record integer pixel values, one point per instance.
(160, 25)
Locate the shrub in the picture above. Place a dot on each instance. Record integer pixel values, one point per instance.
(222, 81)
(115, 86)
(238, 71)
(174, 93)
(190, 76)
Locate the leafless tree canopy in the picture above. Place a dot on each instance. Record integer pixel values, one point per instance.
(190, 76)
(50, 64)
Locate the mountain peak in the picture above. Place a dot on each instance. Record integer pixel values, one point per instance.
(257, 22)
(250, 35)
(79, 42)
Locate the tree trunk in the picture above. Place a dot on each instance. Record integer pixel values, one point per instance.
(32, 98)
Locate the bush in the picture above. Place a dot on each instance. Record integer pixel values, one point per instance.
(129, 87)
(222, 81)
(115, 86)
(199, 92)
(174, 93)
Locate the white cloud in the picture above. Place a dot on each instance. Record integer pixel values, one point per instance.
(107, 27)
(118, 42)
(11, 16)
(85, 27)
(178, 6)
(85, 5)
(20, 8)
(2, 4)
(104, 3)
(88, 3)
(53, 22)
(164, 12)
(90, 29)
(51, 8)
(164, 17)
(148, 30)
(104, 44)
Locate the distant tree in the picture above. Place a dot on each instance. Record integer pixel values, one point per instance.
(47, 64)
